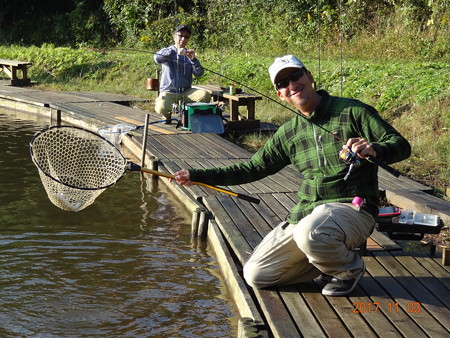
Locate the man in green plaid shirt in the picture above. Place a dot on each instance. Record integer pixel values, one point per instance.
(324, 227)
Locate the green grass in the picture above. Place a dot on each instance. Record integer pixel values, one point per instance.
(412, 95)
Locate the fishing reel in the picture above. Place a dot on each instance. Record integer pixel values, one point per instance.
(349, 157)
(177, 108)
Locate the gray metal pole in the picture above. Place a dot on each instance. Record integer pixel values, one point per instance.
(144, 140)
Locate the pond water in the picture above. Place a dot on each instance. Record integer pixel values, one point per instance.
(124, 266)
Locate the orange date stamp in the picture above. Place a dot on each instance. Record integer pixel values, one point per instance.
(410, 307)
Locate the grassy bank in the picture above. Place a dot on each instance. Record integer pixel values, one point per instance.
(412, 95)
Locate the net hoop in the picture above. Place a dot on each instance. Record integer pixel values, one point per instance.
(75, 165)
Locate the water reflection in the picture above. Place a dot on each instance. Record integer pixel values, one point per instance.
(125, 266)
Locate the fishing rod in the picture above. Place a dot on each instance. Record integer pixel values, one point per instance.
(347, 155)
(242, 85)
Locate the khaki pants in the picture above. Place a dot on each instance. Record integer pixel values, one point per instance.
(324, 241)
(164, 102)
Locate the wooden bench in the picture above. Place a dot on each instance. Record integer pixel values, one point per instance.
(234, 102)
(10, 67)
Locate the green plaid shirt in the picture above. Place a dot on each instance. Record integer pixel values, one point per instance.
(315, 153)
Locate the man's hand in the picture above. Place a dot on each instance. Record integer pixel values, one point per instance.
(190, 53)
(182, 177)
(361, 147)
(181, 50)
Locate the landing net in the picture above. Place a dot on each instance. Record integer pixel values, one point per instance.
(75, 165)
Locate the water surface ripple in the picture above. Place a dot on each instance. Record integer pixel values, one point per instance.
(124, 266)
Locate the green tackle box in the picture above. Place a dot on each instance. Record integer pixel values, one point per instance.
(197, 108)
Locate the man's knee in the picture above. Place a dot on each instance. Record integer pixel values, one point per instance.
(317, 231)
(252, 275)
(197, 95)
(163, 105)
(206, 97)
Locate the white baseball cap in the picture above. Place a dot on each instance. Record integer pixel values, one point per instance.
(286, 61)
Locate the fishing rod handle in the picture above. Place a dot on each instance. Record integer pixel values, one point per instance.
(135, 167)
(383, 165)
(229, 192)
(248, 198)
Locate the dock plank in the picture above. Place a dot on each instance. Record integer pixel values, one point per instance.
(376, 319)
(202, 148)
(402, 297)
(161, 148)
(275, 211)
(429, 301)
(305, 320)
(260, 221)
(436, 268)
(225, 148)
(45, 97)
(238, 243)
(355, 323)
(277, 315)
(380, 298)
(388, 182)
(241, 221)
(325, 314)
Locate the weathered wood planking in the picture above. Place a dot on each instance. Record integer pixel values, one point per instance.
(388, 182)
(101, 110)
(108, 97)
(404, 325)
(40, 97)
(45, 98)
(406, 291)
(219, 144)
(101, 114)
(195, 146)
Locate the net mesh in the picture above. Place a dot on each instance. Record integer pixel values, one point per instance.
(75, 165)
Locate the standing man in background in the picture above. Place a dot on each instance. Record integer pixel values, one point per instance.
(178, 66)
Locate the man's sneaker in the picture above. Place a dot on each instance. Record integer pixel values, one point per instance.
(342, 287)
(324, 278)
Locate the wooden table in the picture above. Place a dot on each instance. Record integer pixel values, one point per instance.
(10, 67)
(234, 102)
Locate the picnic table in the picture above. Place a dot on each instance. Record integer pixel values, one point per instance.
(11, 68)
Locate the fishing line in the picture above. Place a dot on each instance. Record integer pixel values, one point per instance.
(245, 86)
(348, 156)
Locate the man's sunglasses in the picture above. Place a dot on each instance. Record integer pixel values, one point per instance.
(183, 36)
(294, 76)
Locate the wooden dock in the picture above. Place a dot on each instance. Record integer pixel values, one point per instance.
(402, 294)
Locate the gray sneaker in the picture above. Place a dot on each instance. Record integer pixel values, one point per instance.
(342, 287)
(324, 278)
